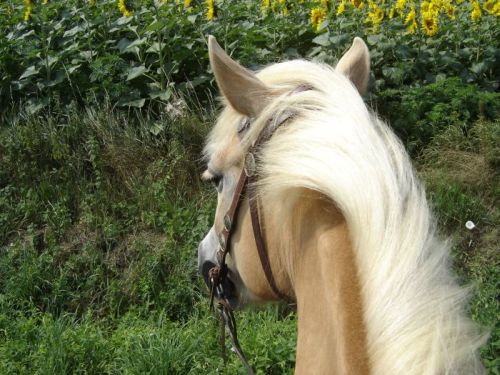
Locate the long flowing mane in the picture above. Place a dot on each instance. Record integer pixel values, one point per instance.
(412, 305)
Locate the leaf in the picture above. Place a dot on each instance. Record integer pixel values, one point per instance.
(393, 73)
(73, 68)
(122, 44)
(163, 95)
(136, 72)
(23, 36)
(156, 47)
(123, 20)
(156, 128)
(125, 45)
(58, 79)
(115, 26)
(31, 71)
(323, 39)
(339, 39)
(192, 18)
(52, 60)
(373, 39)
(75, 30)
(155, 25)
(137, 103)
(87, 55)
(34, 105)
(479, 67)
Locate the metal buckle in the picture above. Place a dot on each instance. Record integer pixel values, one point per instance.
(222, 248)
(227, 222)
(250, 164)
(220, 255)
(222, 241)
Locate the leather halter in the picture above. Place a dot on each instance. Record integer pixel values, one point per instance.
(218, 273)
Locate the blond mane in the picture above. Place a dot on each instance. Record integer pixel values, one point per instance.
(414, 309)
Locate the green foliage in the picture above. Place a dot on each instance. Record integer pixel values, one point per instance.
(78, 51)
(461, 173)
(419, 114)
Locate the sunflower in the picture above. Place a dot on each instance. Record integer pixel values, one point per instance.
(27, 12)
(411, 20)
(391, 12)
(430, 23)
(123, 8)
(424, 7)
(400, 5)
(210, 9)
(450, 11)
(492, 6)
(358, 4)
(318, 15)
(476, 11)
(375, 17)
(341, 8)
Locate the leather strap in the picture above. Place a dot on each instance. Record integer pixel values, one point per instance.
(230, 217)
(261, 246)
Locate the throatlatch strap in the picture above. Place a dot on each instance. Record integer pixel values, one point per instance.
(261, 247)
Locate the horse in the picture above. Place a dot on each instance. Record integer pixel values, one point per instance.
(348, 233)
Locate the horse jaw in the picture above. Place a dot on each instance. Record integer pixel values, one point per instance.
(242, 89)
(355, 65)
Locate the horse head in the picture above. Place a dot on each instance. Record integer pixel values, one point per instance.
(252, 101)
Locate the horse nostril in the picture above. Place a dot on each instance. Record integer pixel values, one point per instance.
(205, 268)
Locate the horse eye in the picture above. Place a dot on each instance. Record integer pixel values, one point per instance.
(244, 125)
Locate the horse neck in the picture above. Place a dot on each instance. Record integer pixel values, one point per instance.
(323, 274)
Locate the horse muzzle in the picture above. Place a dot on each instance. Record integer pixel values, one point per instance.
(217, 278)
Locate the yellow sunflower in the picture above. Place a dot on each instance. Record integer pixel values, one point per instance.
(210, 9)
(27, 12)
(123, 8)
(411, 21)
(318, 15)
(341, 8)
(476, 11)
(358, 4)
(430, 23)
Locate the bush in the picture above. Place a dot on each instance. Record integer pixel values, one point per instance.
(419, 114)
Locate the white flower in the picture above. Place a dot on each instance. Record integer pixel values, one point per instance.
(470, 225)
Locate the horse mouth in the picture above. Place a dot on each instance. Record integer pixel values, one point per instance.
(227, 288)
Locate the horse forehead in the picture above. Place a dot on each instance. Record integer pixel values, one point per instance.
(225, 153)
(223, 141)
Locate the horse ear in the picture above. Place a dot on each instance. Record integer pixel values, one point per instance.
(243, 90)
(355, 65)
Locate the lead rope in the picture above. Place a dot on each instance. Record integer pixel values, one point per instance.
(230, 323)
(226, 318)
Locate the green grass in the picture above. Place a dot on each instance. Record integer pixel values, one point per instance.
(101, 214)
(460, 168)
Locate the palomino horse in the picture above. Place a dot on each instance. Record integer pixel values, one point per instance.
(344, 220)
